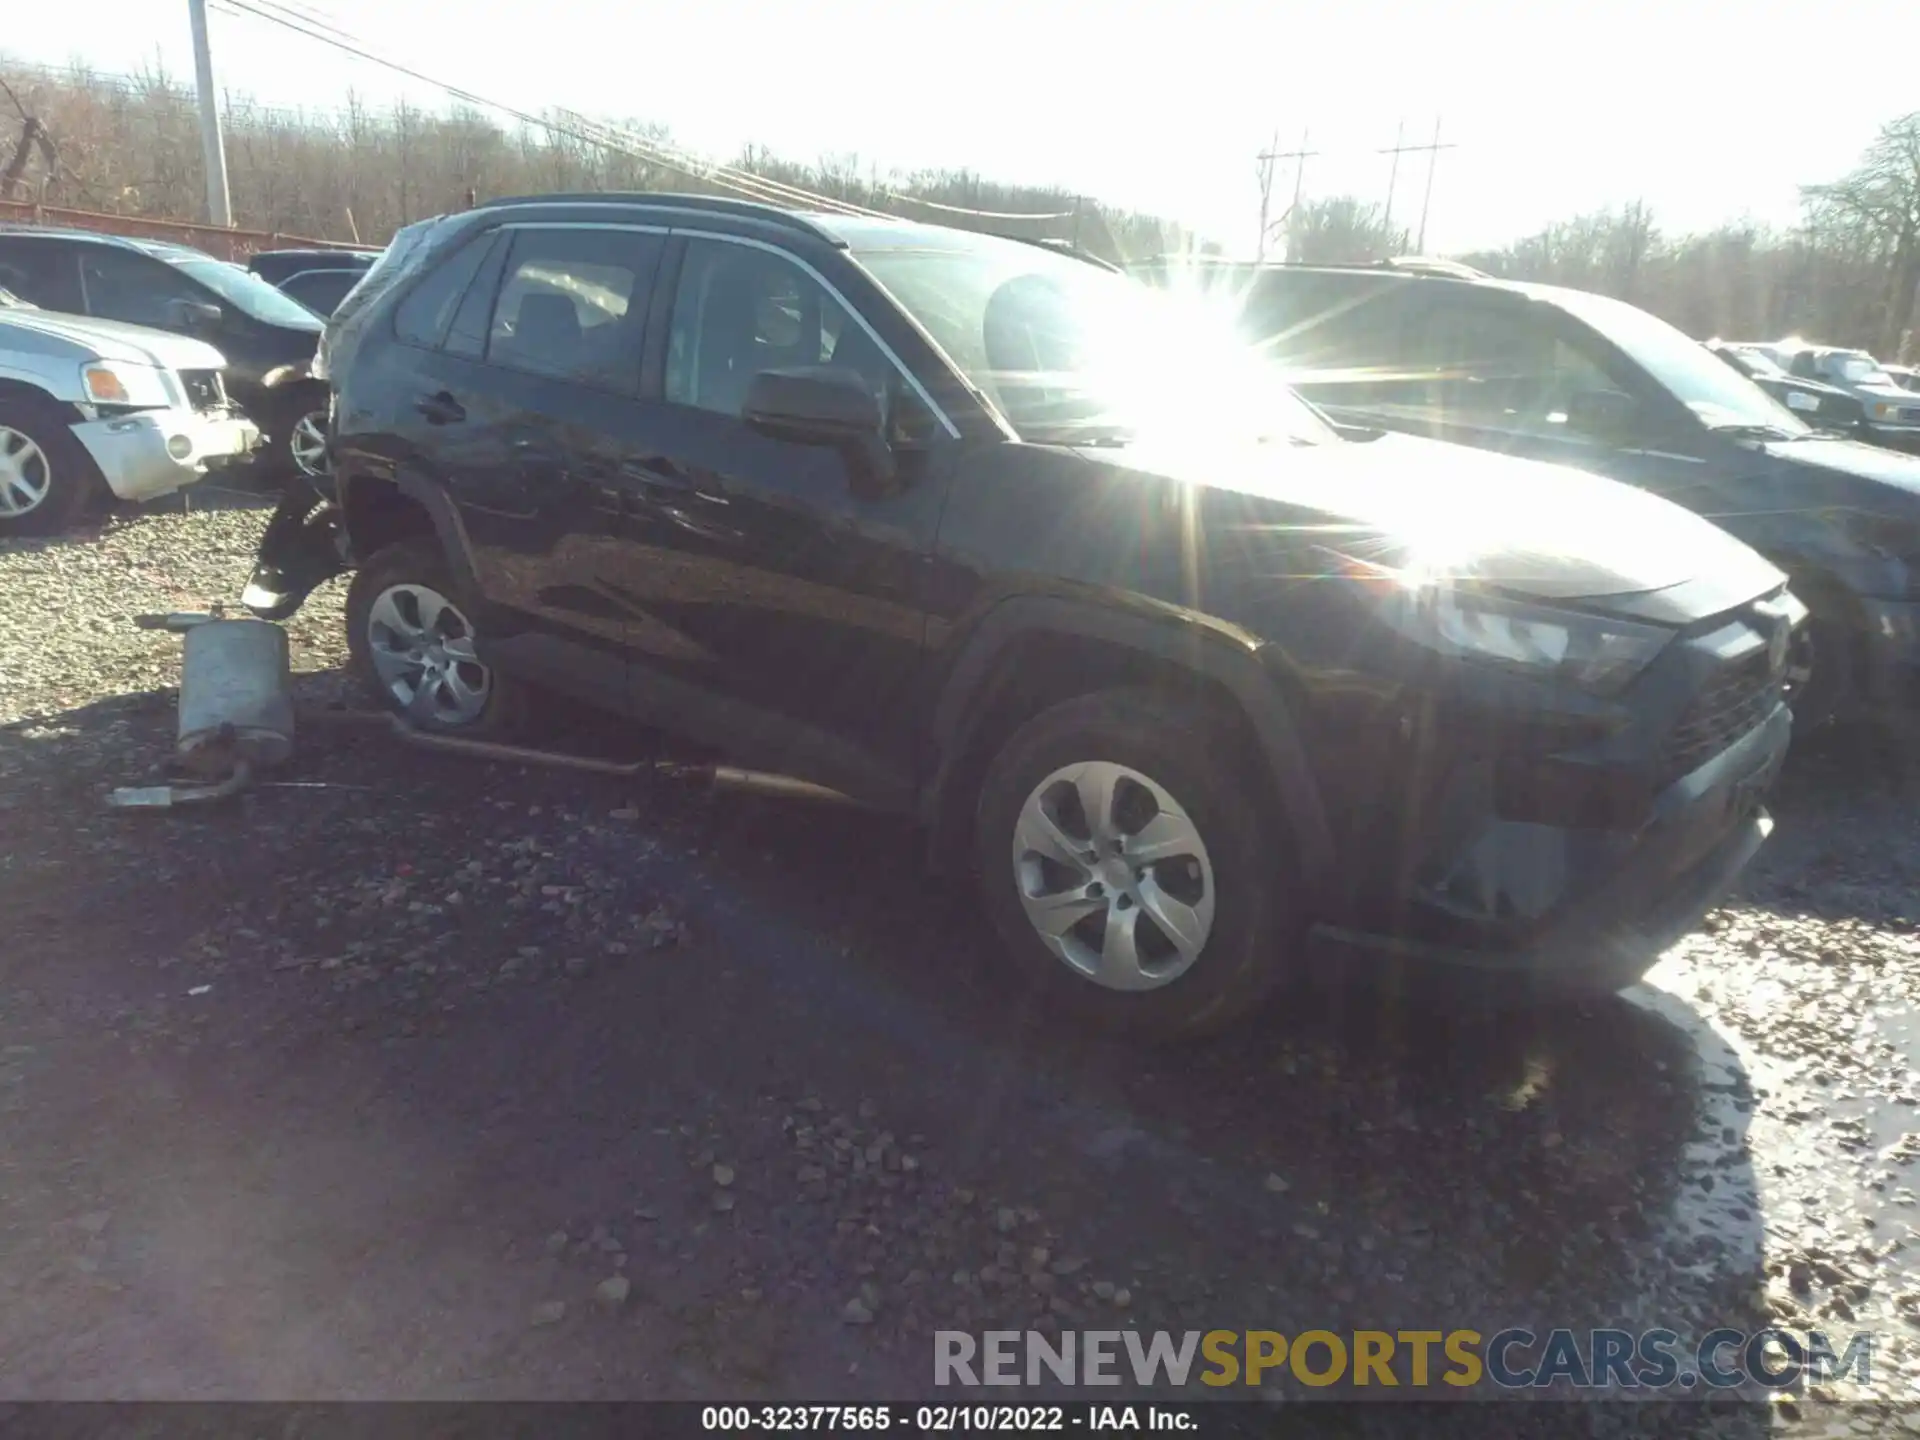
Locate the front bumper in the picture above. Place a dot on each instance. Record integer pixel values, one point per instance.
(1892, 436)
(1618, 899)
(151, 453)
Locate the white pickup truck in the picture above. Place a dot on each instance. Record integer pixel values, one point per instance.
(90, 407)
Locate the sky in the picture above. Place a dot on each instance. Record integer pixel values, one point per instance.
(1707, 110)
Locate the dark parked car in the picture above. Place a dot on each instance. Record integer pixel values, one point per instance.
(1823, 406)
(991, 536)
(318, 279)
(1583, 380)
(267, 337)
(276, 267)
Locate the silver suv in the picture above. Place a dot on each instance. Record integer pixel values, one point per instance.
(92, 407)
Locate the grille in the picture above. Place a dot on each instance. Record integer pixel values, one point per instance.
(204, 389)
(1909, 414)
(1731, 704)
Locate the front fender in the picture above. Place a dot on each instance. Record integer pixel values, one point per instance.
(967, 693)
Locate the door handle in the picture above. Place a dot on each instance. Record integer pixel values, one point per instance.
(441, 409)
(657, 475)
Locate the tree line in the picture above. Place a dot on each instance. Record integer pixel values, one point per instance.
(1846, 274)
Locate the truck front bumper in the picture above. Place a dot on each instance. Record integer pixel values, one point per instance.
(151, 453)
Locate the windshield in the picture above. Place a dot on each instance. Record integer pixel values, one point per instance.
(249, 293)
(1861, 370)
(1719, 395)
(1758, 363)
(1070, 352)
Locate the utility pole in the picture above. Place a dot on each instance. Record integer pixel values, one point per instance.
(1267, 159)
(1432, 151)
(1393, 175)
(1433, 158)
(219, 206)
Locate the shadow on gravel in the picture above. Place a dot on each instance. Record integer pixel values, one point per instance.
(516, 1060)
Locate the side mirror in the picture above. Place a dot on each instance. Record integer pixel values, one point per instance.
(194, 314)
(1606, 415)
(819, 405)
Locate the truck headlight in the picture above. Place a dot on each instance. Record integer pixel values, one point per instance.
(120, 383)
(1883, 409)
(1599, 655)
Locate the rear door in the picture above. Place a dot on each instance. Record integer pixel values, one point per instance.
(523, 409)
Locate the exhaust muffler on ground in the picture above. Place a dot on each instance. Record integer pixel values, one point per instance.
(236, 709)
(237, 720)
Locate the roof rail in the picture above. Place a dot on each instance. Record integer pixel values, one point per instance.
(1061, 247)
(672, 199)
(1432, 265)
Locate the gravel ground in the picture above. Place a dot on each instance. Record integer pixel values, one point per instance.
(407, 1076)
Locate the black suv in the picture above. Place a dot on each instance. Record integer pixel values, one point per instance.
(1584, 380)
(318, 279)
(981, 532)
(267, 337)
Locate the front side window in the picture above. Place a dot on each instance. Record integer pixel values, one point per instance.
(1717, 397)
(739, 310)
(573, 304)
(248, 293)
(1502, 366)
(126, 285)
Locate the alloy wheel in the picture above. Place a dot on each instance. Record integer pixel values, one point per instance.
(1114, 875)
(26, 477)
(307, 443)
(422, 650)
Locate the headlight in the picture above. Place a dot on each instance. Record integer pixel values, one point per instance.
(122, 384)
(1883, 409)
(1599, 655)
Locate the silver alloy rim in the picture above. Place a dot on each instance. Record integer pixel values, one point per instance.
(308, 443)
(422, 650)
(1114, 875)
(25, 475)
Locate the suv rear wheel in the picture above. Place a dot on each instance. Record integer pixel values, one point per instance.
(412, 645)
(1134, 881)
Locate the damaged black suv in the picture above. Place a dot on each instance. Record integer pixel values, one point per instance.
(1203, 689)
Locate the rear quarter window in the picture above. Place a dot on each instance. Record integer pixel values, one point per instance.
(423, 316)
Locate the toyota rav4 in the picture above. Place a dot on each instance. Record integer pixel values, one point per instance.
(1204, 690)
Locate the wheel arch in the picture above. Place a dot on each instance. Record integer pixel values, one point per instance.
(1029, 654)
(382, 510)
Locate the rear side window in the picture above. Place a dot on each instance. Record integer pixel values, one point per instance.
(42, 272)
(424, 315)
(573, 305)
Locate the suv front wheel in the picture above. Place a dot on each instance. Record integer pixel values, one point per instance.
(412, 645)
(1131, 876)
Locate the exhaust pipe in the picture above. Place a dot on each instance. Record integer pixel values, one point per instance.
(720, 777)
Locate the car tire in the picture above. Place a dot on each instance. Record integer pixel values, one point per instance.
(1176, 776)
(410, 643)
(47, 478)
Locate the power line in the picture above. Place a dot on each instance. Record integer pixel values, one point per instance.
(610, 137)
(751, 187)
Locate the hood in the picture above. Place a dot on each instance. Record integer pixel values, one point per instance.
(82, 339)
(1853, 459)
(1812, 387)
(1545, 531)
